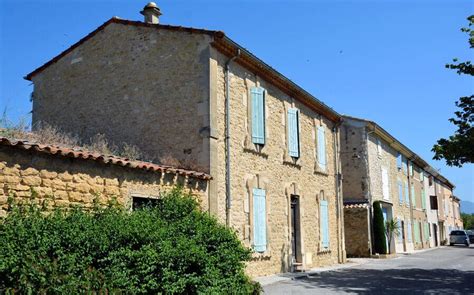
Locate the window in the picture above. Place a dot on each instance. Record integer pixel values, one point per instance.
(405, 165)
(433, 203)
(293, 133)
(144, 202)
(259, 220)
(409, 231)
(258, 115)
(427, 231)
(400, 191)
(321, 148)
(399, 161)
(422, 175)
(400, 231)
(379, 147)
(417, 232)
(430, 180)
(407, 194)
(423, 199)
(385, 185)
(413, 196)
(324, 223)
(411, 168)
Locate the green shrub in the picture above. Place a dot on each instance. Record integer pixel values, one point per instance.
(173, 248)
(380, 242)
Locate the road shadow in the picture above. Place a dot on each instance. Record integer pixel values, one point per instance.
(393, 281)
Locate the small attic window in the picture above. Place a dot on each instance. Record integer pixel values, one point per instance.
(139, 203)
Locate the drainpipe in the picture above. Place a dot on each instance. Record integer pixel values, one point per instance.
(227, 139)
(339, 206)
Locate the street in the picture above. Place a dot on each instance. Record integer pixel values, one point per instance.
(449, 270)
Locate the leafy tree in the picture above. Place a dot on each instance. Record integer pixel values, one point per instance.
(458, 148)
(173, 248)
(380, 243)
(467, 220)
(391, 229)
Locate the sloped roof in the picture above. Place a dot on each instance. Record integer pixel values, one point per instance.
(75, 153)
(227, 47)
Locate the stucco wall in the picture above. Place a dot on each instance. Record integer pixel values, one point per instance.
(138, 85)
(272, 169)
(67, 182)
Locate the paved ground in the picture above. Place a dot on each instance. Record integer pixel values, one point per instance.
(448, 270)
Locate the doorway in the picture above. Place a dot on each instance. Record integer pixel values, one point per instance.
(435, 234)
(296, 255)
(402, 233)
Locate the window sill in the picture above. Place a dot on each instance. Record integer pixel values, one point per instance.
(320, 172)
(255, 152)
(261, 255)
(292, 164)
(324, 251)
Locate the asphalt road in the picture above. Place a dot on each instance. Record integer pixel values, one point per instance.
(448, 270)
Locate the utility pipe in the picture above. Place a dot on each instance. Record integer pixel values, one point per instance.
(339, 205)
(227, 139)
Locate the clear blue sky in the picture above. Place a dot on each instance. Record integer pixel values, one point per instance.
(380, 60)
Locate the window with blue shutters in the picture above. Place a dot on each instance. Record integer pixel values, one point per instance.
(405, 165)
(293, 133)
(400, 230)
(258, 115)
(399, 161)
(413, 196)
(400, 191)
(259, 220)
(407, 194)
(324, 224)
(423, 199)
(411, 168)
(321, 148)
(409, 231)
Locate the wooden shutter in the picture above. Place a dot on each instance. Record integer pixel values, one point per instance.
(293, 136)
(400, 191)
(321, 148)
(409, 231)
(324, 224)
(407, 194)
(385, 187)
(423, 199)
(399, 161)
(413, 196)
(417, 232)
(422, 175)
(258, 115)
(404, 165)
(400, 231)
(259, 220)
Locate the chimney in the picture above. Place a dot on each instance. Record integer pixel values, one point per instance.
(152, 13)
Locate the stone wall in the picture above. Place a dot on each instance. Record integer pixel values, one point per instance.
(272, 169)
(67, 182)
(357, 232)
(354, 160)
(137, 85)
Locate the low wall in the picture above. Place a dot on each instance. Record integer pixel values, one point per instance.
(356, 230)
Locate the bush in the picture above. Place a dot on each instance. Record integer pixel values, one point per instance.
(380, 243)
(173, 248)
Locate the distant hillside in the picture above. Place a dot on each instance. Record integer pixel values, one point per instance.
(467, 207)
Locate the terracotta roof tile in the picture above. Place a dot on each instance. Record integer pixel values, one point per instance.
(103, 159)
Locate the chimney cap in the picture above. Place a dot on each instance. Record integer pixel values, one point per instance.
(151, 5)
(151, 12)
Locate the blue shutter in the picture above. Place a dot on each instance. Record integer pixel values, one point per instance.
(411, 168)
(293, 136)
(321, 148)
(400, 191)
(259, 220)
(400, 231)
(413, 196)
(423, 199)
(409, 231)
(404, 165)
(258, 115)
(407, 194)
(399, 161)
(324, 224)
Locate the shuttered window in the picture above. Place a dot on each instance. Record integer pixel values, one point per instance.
(399, 161)
(423, 199)
(400, 230)
(417, 232)
(385, 185)
(427, 231)
(259, 220)
(407, 194)
(258, 115)
(324, 224)
(400, 191)
(293, 133)
(409, 231)
(413, 196)
(404, 165)
(411, 168)
(422, 175)
(321, 148)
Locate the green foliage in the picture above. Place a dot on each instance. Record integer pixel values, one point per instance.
(467, 220)
(173, 248)
(391, 229)
(457, 149)
(380, 243)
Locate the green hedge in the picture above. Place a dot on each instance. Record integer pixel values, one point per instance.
(172, 249)
(380, 241)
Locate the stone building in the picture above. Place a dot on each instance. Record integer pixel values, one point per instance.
(64, 177)
(378, 167)
(197, 96)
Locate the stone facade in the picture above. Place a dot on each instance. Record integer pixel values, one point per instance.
(357, 230)
(58, 181)
(134, 85)
(164, 90)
